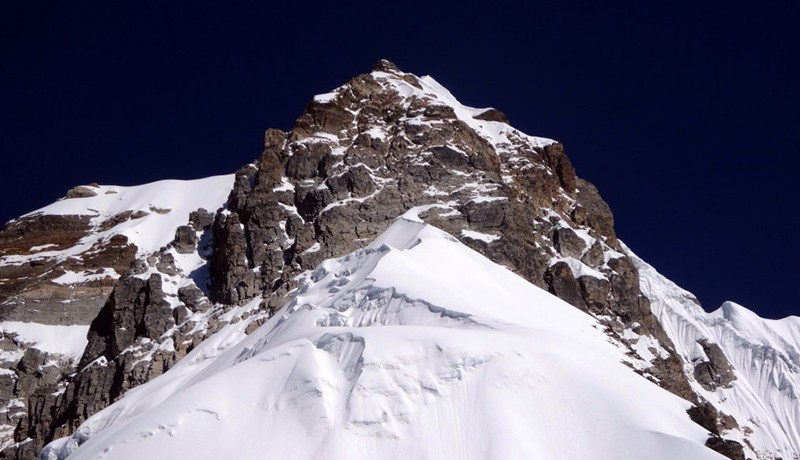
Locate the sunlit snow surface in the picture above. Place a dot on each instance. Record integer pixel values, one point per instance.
(64, 340)
(165, 205)
(415, 347)
(765, 354)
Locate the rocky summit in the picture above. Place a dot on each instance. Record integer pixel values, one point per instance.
(142, 276)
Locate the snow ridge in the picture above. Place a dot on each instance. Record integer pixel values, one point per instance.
(764, 353)
(412, 347)
(164, 205)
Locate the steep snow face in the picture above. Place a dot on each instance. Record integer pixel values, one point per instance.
(413, 347)
(764, 353)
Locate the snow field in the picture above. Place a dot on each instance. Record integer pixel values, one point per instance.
(167, 205)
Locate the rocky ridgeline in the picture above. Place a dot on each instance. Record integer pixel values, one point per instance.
(356, 159)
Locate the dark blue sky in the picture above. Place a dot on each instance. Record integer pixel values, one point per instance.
(686, 116)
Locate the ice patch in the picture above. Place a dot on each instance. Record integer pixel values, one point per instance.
(70, 277)
(485, 237)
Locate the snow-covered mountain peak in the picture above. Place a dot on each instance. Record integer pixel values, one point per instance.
(744, 319)
(734, 313)
(779, 334)
(427, 340)
(427, 101)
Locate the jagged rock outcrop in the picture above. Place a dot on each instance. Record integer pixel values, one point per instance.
(716, 371)
(705, 415)
(726, 447)
(135, 337)
(185, 240)
(45, 280)
(135, 309)
(33, 389)
(155, 315)
(81, 191)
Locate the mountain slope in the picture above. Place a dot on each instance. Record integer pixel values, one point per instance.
(380, 145)
(85, 242)
(414, 347)
(58, 266)
(755, 379)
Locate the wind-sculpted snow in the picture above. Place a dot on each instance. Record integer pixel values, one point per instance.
(413, 347)
(764, 353)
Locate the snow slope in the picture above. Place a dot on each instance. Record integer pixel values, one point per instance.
(64, 340)
(765, 354)
(413, 347)
(165, 205)
(147, 215)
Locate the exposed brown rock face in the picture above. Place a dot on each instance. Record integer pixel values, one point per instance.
(355, 160)
(81, 191)
(492, 115)
(27, 290)
(62, 232)
(726, 447)
(716, 371)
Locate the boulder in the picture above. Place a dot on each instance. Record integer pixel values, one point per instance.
(717, 371)
(185, 241)
(80, 191)
(726, 447)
